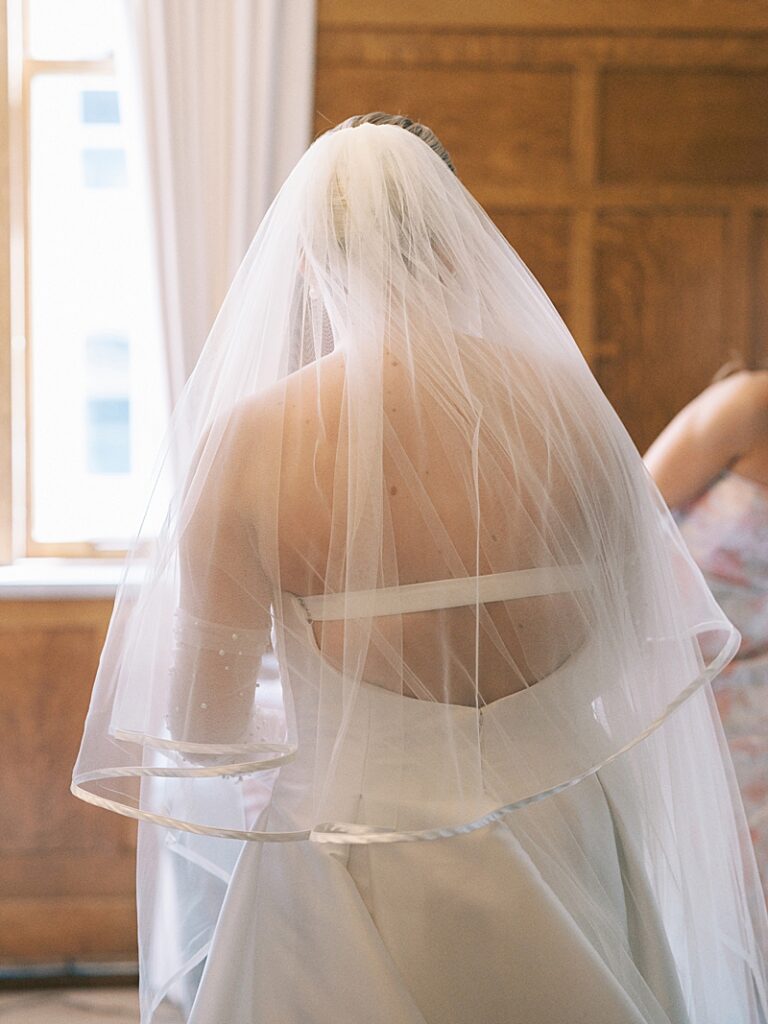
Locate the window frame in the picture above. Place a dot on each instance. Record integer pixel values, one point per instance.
(9, 377)
(16, 405)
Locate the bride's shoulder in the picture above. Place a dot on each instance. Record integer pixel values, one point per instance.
(288, 402)
(316, 377)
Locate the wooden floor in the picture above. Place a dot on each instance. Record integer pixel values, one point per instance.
(75, 1006)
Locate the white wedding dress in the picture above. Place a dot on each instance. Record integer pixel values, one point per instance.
(471, 929)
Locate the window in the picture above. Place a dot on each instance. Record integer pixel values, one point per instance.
(104, 168)
(96, 395)
(108, 404)
(100, 106)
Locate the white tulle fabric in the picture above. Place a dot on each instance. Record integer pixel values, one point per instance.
(414, 584)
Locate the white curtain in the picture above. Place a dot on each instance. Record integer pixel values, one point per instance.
(223, 94)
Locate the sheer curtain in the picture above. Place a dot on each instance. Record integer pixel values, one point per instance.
(222, 94)
(217, 96)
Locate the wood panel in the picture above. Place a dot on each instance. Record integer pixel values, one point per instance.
(759, 289)
(542, 239)
(420, 47)
(66, 868)
(548, 15)
(684, 125)
(657, 303)
(56, 929)
(642, 119)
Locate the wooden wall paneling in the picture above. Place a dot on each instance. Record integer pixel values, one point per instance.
(658, 120)
(376, 57)
(679, 124)
(60, 929)
(759, 288)
(661, 310)
(548, 15)
(424, 46)
(542, 238)
(584, 122)
(737, 340)
(66, 868)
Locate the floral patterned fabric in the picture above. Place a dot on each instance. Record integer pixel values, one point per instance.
(726, 529)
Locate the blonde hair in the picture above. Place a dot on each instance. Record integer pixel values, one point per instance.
(421, 131)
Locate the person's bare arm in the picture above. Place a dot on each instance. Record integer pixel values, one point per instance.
(722, 424)
(223, 620)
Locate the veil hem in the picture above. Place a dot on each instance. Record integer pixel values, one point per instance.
(350, 833)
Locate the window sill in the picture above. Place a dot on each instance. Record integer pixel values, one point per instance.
(61, 579)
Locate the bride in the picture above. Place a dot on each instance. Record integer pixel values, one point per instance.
(413, 701)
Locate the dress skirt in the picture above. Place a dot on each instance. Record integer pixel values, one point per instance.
(546, 916)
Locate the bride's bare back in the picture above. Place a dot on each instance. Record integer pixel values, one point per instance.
(433, 539)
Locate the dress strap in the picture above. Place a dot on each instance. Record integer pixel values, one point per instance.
(450, 593)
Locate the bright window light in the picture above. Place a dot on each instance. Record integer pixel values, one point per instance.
(71, 29)
(98, 396)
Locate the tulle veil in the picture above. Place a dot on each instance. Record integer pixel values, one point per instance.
(392, 472)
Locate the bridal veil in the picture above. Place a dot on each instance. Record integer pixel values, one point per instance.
(393, 456)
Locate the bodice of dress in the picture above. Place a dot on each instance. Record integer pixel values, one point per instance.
(387, 736)
(726, 530)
